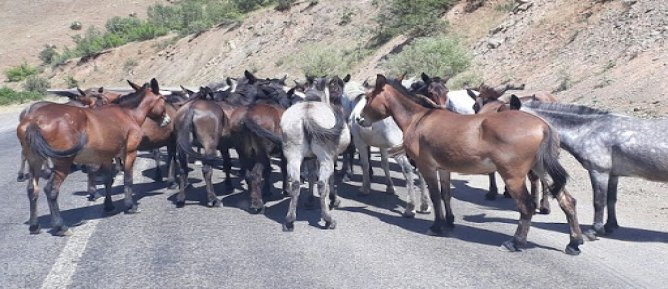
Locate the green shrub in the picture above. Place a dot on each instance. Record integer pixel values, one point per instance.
(465, 79)
(36, 84)
(431, 55)
(284, 5)
(9, 96)
(48, 54)
(319, 60)
(417, 18)
(71, 82)
(21, 72)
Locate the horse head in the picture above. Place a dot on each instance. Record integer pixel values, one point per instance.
(147, 98)
(376, 107)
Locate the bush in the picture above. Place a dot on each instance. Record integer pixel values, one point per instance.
(284, 5)
(431, 55)
(48, 54)
(417, 18)
(36, 84)
(319, 60)
(465, 79)
(20, 72)
(76, 25)
(9, 96)
(71, 82)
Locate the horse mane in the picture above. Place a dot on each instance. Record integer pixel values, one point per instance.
(131, 100)
(419, 99)
(565, 107)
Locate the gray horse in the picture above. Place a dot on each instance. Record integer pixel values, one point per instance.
(608, 145)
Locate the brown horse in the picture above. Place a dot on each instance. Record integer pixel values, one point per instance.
(439, 139)
(93, 137)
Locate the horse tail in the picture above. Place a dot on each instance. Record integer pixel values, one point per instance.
(184, 130)
(548, 158)
(40, 146)
(313, 131)
(262, 132)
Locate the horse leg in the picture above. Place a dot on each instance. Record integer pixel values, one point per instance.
(568, 205)
(294, 161)
(368, 160)
(347, 169)
(325, 171)
(407, 170)
(366, 168)
(51, 190)
(92, 173)
(128, 165)
(525, 205)
(183, 180)
(446, 195)
(544, 203)
(284, 175)
(334, 201)
(158, 171)
(227, 166)
(424, 192)
(311, 177)
(107, 171)
(384, 162)
(266, 175)
(171, 169)
(611, 223)
(207, 173)
(599, 183)
(431, 178)
(22, 176)
(493, 190)
(254, 179)
(33, 193)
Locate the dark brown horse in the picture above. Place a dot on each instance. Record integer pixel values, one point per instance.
(475, 144)
(92, 137)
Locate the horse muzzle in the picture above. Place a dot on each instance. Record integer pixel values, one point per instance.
(165, 120)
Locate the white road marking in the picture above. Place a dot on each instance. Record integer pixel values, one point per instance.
(66, 264)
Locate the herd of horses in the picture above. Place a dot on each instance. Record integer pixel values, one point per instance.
(428, 130)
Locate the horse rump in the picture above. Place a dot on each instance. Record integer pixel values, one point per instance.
(39, 145)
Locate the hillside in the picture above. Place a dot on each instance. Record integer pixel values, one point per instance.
(609, 54)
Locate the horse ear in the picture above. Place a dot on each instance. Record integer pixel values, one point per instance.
(309, 79)
(81, 91)
(134, 86)
(251, 78)
(515, 102)
(228, 81)
(380, 82)
(446, 78)
(425, 77)
(321, 84)
(471, 94)
(154, 86)
(291, 92)
(346, 78)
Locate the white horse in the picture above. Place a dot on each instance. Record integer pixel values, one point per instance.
(313, 129)
(386, 136)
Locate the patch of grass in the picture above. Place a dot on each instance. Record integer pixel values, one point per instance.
(565, 81)
(160, 45)
(605, 81)
(319, 59)
(71, 82)
(505, 6)
(469, 79)
(48, 54)
(609, 65)
(284, 5)
(346, 17)
(432, 55)
(20, 72)
(416, 18)
(10, 96)
(129, 65)
(36, 84)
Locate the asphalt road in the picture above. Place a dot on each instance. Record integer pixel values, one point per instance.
(372, 246)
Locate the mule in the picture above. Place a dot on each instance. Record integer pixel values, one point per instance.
(608, 146)
(93, 137)
(475, 144)
(313, 129)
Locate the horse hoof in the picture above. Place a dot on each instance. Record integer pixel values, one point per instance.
(507, 195)
(330, 225)
(109, 208)
(345, 179)
(408, 214)
(572, 250)
(62, 231)
(132, 210)
(509, 246)
(35, 229)
(390, 191)
(435, 230)
(590, 234)
(609, 228)
(215, 203)
(335, 204)
(490, 196)
(180, 204)
(288, 226)
(544, 211)
(285, 194)
(424, 209)
(255, 211)
(21, 178)
(172, 186)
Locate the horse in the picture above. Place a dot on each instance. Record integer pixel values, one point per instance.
(487, 101)
(206, 121)
(93, 137)
(313, 129)
(475, 144)
(608, 146)
(386, 135)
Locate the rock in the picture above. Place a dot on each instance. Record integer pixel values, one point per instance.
(494, 43)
